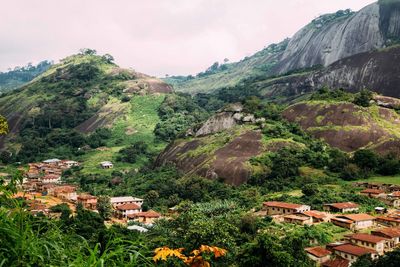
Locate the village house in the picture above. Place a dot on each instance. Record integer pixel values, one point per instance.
(70, 163)
(373, 193)
(50, 179)
(116, 201)
(377, 243)
(393, 234)
(352, 252)
(298, 218)
(306, 217)
(336, 262)
(342, 207)
(66, 192)
(124, 210)
(147, 217)
(354, 221)
(388, 221)
(318, 254)
(106, 165)
(276, 208)
(87, 201)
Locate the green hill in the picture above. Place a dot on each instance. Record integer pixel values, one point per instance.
(77, 107)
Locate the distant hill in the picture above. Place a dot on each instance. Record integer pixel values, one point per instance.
(20, 75)
(63, 108)
(326, 40)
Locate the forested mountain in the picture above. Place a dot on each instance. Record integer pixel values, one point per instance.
(15, 78)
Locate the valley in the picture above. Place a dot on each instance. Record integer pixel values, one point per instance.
(288, 157)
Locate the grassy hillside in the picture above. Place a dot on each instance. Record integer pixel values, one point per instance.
(137, 124)
(79, 106)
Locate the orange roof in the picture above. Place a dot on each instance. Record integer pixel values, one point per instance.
(86, 197)
(395, 194)
(367, 238)
(358, 217)
(315, 214)
(318, 252)
(128, 206)
(390, 219)
(373, 191)
(284, 205)
(146, 214)
(337, 262)
(343, 205)
(65, 189)
(354, 250)
(390, 232)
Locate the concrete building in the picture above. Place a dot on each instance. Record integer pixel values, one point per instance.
(276, 208)
(392, 234)
(116, 201)
(341, 207)
(106, 165)
(318, 254)
(377, 243)
(352, 252)
(124, 210)
(354, 221)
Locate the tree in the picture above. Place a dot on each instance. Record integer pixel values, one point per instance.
(151, 198)
(104, 207)
(363, 98)
(310, 190)
(363, 261)
(3, 125)
(366, 159)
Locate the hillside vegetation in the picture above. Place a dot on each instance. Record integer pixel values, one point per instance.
(81, 104)
(17, 77)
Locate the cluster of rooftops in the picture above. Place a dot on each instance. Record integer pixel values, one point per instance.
(347, 251)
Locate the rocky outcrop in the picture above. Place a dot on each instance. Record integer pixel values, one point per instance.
(223, 161)
(347, 126)
(373, 70)
(225, 119)
(217, 123)
(340, 38)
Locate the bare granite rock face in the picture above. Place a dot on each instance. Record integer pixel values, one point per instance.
(342, 38)
(373, 27)
(217, 123)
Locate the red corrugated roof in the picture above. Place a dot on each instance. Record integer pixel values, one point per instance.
(391, 232)
(372, 191)
(367, 237)
(354, 250)
(146, 214)
(315, 214)
(282, 205)
(318, 252)
(343, 205)
(358, 217)
(337, 262)
(128, 206)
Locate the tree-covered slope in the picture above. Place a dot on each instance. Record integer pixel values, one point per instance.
(84, 102)
(17, 77)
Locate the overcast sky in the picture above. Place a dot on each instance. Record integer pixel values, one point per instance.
(156, 37)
